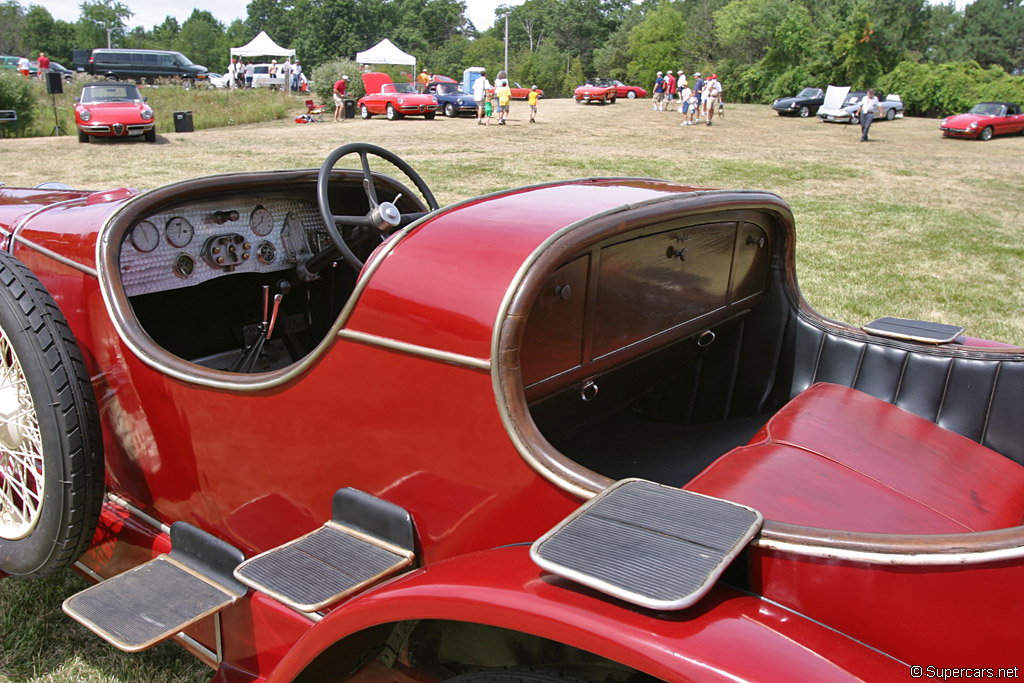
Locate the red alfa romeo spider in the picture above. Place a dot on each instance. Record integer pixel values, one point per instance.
(113, 110)
(313, 427)
(394, 100)
(984, 121)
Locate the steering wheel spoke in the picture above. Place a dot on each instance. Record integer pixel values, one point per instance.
(382, 216)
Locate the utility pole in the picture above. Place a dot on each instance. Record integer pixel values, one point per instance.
(507, 10)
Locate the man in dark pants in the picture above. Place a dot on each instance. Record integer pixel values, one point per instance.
(866, 112)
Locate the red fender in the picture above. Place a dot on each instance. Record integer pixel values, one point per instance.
(729, 635)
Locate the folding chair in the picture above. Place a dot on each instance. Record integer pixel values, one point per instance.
(315, 111)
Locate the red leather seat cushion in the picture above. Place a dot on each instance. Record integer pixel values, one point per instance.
(837, 458)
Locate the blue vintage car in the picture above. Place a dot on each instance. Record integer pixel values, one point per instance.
(451, 99)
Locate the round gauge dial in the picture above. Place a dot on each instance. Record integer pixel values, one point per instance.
(179, 231)
(266, 252)
(261, 221)
(145, 237)
(184, 265)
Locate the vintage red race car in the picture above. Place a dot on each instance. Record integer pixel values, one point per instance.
(313, 427)
(394, 100)
(592, 92)
(984, 121)
(115, 110)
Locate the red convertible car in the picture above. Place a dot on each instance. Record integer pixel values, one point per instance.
(595, 92)
(984, 121)
(114, 110)
(313, 427)
(394, 100)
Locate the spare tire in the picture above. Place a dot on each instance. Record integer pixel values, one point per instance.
(51, 464)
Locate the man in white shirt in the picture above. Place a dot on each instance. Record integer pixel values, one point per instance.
(869, 104)
(481, 86)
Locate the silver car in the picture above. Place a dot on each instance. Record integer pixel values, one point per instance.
(892, 106)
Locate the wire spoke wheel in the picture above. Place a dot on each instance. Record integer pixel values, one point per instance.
(21, 450)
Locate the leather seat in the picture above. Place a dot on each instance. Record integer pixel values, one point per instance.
(838, 458)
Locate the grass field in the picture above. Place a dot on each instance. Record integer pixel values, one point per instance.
(908, 224)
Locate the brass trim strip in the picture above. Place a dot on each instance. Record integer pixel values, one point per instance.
(416, 350)
(55, 256)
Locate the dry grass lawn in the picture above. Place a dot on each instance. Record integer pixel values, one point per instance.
(909, 224)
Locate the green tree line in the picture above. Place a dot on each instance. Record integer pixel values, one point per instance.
(761, 49)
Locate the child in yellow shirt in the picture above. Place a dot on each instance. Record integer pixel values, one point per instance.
(504, 97)
(531, 99)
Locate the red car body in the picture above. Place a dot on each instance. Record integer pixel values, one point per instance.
(602, 94)
(394, 100)
(984, 121)
(521, 93)
(114, 110)
(628, 91)
(488, 375)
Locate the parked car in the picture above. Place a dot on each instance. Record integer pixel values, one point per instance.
(630, 92)
(803, 105)
(113, 110)
(595, 92)
(451, 100)
(394, 100)
(521, 93)
(66, 74)
(11, 62)
(311, 426)
(984, 120)
(216, 80)
(891, 106)
(140, 65)
(261, 77)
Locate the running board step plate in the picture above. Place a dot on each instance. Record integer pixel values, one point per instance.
(145, 605)
(651, 545)
(368, 540)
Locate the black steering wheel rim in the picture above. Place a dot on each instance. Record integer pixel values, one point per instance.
(331, 220)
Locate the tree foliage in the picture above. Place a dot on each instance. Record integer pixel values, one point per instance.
(762, 49)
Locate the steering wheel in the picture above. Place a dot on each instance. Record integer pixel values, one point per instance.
(384, 216)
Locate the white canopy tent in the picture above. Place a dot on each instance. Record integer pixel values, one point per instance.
(385, 52)
(262, 45)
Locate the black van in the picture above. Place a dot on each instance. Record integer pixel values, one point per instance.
(140, 65)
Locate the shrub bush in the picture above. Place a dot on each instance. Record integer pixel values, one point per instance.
(20, 95)
(944, 89)
(328, 73)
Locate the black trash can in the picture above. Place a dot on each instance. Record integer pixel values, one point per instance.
(183, 122)
(349, 112)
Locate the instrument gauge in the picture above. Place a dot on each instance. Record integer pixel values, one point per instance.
(179, 232)
(184, 265)
(266, 252)
(261, 221)
(145, 237)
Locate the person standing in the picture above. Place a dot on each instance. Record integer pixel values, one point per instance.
(698, 93)
(421, 81)
(659, 92)
(250, 70)
(670, 91)
(296, 75)
(869, 104)
(680, 86)
(685, 96)
(24, 67)
(481, 88)
(504, 94)
(340, 86)
(531, 99)
(44, 66)
(232, 74)
(712, 96)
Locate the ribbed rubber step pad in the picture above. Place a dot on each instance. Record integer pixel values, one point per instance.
(651, 545)
(145, 605)
(323, 567)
